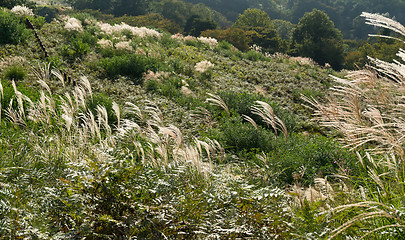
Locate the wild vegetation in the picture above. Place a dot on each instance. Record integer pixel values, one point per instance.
(122, 131)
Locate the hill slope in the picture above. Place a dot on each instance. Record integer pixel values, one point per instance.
(125, 131)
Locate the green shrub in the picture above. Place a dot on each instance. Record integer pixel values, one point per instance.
(242, 102)
(15, 72)
(12, 30)
(240, 136)
(83, 16)
(169, 87)
(55, 61)
(130, 65)
(206, 76)
(224, 45)
(11, 3)
(177, 65)
(152, 85)
(102, 99)
(48, 12)
(79, 43)
(37, 21)
(314, 156)
(76, 49)
(194, 43)
(169, 42)
(254, 56)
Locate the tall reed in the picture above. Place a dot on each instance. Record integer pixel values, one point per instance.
(368, 110)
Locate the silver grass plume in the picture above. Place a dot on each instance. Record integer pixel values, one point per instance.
(59, 76)
(217, 101)
(155, 113)
(42, 72)
(1, 91)
(265, 111)
(368, 107)
(384, 22)
(85, 83)
(117, 112)
(134, 109)
(249, 119)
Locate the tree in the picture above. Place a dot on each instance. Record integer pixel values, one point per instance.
(129, 7)
(236, 36)
(260, 29)
(284, 28)
(102, 5)
(252, 18)
(316, 37)
(196, 24)
(174, 10)
(11, 3)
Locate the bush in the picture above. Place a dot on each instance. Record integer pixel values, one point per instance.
(242, 102)
(12, 30)
(75, 49)
(37, 21)
(78, 44)
(237, 37)
(171, 87)
(48, 12)
(224, 45)
(15, 72)
(314, 156)
(130, 65)
(254, 56)
(102, 100)
(11, 3)
(243, 137)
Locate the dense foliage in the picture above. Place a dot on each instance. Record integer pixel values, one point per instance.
(316, 37)
(12, 28)
(11, 3)
(193, 17)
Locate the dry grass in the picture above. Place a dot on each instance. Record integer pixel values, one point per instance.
(217, 101)
(265, 111)
(368, 108)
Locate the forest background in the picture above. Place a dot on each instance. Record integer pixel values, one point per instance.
(194, 17)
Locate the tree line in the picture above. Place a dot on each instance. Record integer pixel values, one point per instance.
(314, 35)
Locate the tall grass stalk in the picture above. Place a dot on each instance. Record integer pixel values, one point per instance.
(217, 101)
(368, 108)
(265, 111)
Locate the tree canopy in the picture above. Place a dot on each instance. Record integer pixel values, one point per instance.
(316, 37)
(196, 24)
(252, 18)
(12, 3)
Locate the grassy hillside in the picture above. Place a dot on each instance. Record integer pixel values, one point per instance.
(129, 132)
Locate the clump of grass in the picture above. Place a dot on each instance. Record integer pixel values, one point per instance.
(15, 72)
(130, 65)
